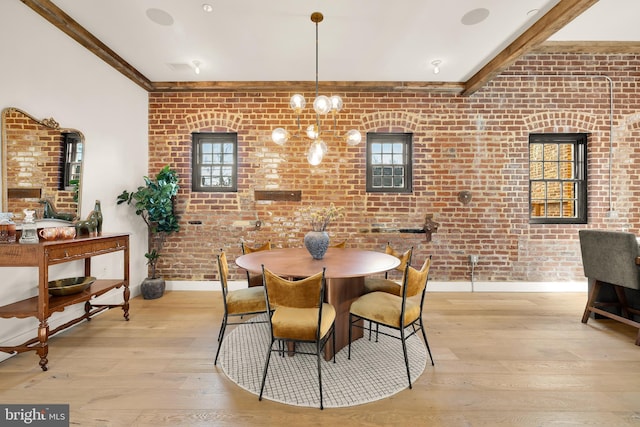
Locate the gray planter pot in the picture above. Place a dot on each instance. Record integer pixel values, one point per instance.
(152, 288)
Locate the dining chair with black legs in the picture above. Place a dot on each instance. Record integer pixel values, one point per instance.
(395, 312)
(254, 279)
(237, 303)
(298, 314)
(386, 284)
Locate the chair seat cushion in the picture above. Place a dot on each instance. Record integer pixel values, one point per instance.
(301, 323)
(385, 308)
(380, 284)
(246, 300)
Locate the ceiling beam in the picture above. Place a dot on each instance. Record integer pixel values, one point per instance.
(590, 47)
(559, 16)
(532, 40)
(69, 26)
(308, 86)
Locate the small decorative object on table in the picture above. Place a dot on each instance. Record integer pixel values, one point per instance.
(317, 241)
(29, 228)
(7, 228)
(70, 286)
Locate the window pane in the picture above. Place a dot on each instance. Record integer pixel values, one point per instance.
(550, 170)
(535, 170)
(535, 152)
(566, 170)
(551, 152)
(538, 190)
(537, 208)
(553, 190)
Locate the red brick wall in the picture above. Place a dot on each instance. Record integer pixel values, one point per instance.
(476, 143)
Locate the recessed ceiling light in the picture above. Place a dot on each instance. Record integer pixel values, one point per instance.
(533, 12)
(207, 7)
(436, 65)
(475, 16)
(159, 16)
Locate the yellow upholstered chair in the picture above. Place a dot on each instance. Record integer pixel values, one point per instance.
(395, 312)
(298, 315)
(340, 245)
(237, 303)
(385, 284)
(255, 279)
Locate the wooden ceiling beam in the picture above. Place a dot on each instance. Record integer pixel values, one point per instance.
(69, 26)
(559, 16)
(532, 40)
(590, 47)
(308, 86)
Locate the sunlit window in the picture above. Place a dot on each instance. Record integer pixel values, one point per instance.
(558, 178)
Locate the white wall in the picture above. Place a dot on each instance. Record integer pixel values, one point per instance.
(47, 74)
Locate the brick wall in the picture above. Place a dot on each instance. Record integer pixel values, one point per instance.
(477, 144)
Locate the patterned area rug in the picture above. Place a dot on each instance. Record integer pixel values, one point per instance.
(375, 371)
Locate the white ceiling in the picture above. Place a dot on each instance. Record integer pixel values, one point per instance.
(359, 40)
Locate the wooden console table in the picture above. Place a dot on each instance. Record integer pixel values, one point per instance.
(47, 253)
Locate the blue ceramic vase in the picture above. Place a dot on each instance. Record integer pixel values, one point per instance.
(317, 243)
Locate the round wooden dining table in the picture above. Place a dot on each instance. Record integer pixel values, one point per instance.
(345, 271)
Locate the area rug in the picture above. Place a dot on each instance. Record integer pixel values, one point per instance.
(376, 369)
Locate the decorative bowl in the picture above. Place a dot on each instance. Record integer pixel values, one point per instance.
(70, 286)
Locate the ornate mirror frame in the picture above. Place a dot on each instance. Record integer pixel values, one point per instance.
(33, 163)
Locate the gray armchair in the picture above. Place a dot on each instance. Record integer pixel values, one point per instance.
(612, 259)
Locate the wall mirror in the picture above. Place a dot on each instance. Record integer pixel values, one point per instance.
(40, 161)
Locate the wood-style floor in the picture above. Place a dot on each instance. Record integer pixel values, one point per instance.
(501, 360)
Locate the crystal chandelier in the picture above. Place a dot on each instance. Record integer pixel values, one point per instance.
(322, 105)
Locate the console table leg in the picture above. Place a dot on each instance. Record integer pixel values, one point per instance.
(125, 304)
(87, 310)
(43, 348)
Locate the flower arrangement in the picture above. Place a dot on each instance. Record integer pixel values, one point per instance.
(321, 218)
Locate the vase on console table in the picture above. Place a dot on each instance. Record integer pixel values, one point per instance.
(317, 243)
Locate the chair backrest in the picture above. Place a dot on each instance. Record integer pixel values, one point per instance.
(254, 279)
(303, 293)
(415, 281)
(404, 257)
(248, 249)
(610, 257)
(223, 272)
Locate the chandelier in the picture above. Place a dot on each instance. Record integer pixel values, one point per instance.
(322, 105)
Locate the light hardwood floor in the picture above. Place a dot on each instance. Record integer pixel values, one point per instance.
(501, 359)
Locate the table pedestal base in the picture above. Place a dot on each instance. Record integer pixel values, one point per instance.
(341, 293)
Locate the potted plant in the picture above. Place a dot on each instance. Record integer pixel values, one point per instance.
(154, 202)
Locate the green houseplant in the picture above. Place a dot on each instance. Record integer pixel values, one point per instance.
(154, 203)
